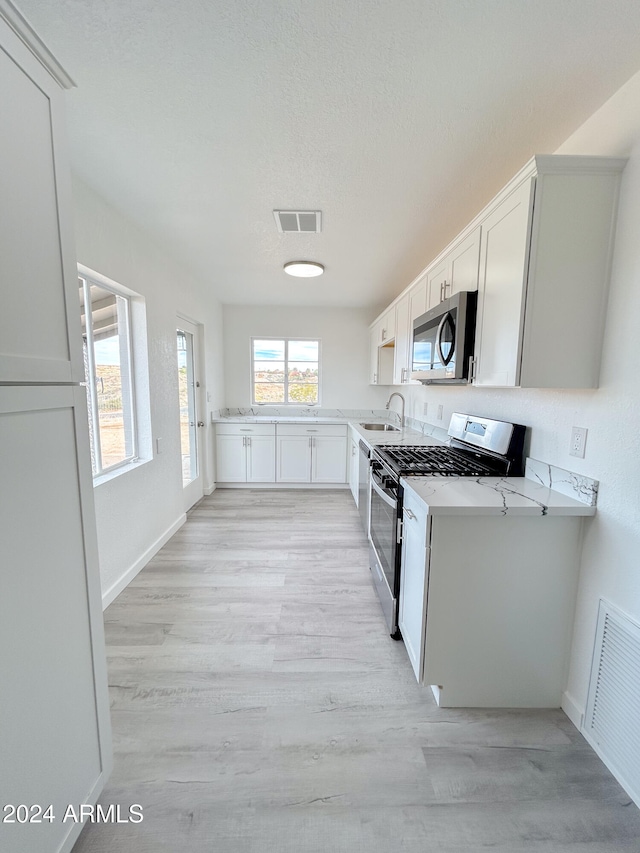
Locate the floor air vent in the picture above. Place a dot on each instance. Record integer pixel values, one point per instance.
(612, 719)
(298, 221)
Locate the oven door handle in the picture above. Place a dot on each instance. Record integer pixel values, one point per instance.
(385, 497)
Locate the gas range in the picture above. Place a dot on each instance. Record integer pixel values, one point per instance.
(422, 461)
(478, 447)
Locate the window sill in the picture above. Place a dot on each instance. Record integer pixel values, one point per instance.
(116, 472)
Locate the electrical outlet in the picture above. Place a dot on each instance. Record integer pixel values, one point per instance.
(425, 406)
(578, 441)
(440, 412)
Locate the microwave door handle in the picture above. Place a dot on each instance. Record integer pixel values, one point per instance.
(385, 497)
(444, 361)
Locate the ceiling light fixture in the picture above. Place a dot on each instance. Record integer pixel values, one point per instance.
(303, 269)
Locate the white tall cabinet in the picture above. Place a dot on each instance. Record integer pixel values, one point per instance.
(54, 712)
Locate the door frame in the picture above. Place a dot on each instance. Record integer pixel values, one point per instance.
(192, 492)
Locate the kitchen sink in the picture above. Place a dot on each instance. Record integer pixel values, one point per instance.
(381, 427)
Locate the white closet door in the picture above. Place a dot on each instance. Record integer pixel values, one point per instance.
(54, 710)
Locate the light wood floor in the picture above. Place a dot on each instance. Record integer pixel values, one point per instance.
(259, 706)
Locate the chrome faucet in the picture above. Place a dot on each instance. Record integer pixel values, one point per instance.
(396, 394)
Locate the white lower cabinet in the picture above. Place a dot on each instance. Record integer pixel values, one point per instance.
(486, 605)
(282, 453)
(245, 454)
(311, 454)
(413, 581)
(294, 459)
(354, 465)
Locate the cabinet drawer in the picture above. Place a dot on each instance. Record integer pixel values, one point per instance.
(245, 429)
(312, 429)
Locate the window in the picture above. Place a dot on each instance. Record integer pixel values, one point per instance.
(108, 366)
(285, 371)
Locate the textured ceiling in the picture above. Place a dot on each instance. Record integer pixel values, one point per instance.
(398, 120)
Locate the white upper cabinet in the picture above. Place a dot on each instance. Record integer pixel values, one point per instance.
(40, 337)
(539, 255)
(544, 273)
(436, 284)
(458, 270)
(417, 300)
(402, 346)
(387, 327)
(499, 324)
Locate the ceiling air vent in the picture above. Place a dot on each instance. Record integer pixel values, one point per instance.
(298, 221)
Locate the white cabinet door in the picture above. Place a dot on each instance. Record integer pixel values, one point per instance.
(387, 327)
(329, 459)
(504, 249)
(458, 270)
(436, 284)
(293, 459)
(403, 341)
(418, 300)
(413, 586)
(231, 459)
(54, 711)
(354, 468)
(261, 459)
(374, 372)
(464, 264)
(40, 336)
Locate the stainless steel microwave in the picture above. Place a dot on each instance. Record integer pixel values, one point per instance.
(443, 340)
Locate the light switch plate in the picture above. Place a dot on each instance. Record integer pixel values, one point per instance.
(578, 442)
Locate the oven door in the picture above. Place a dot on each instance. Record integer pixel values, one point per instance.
(383, 524)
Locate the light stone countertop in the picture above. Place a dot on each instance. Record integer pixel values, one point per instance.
(492, 496)
(405, 437)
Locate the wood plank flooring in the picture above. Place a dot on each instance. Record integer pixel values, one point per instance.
(259, 706)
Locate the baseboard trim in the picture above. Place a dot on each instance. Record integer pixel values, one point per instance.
(115, 589)
(572, 710)
(282, 485)
(210, 489)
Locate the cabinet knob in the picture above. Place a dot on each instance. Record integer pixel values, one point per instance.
(200, 423)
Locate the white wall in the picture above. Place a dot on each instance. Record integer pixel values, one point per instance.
(136, 510)
(344, 333)
(611, 556)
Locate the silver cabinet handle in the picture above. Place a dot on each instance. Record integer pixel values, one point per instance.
(248, 441)
(244, 440)
(409, 513)
(383, 334)
(312, 430)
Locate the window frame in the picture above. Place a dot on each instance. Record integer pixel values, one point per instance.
(89, 277)
(286, 341)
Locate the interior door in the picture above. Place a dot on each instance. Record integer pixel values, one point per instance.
(191, 424)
